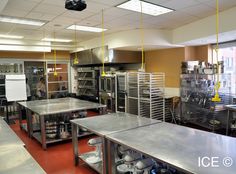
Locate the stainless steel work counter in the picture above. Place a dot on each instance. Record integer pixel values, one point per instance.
(8, 138)
(18, 161)
(62, 105)
(14, 158)
(111, 123)
(52, 107)
(180, 147)
(102, 126)
(230, 108)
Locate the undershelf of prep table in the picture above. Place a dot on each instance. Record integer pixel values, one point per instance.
(97, 166)
(36, 127)
(37, 136)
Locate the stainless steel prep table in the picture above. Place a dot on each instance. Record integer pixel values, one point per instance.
(18, 161)
(230, 108)
(14, 158)
(102, 126)
(51, 107)
(178, 146)
(7, 137)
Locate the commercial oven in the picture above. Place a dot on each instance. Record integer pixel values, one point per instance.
(121, 92)
(107, 91)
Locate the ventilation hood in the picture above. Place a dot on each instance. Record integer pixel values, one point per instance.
(94, 56)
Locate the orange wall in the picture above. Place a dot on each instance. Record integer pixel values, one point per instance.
(167, 61)
(61, 55)
(201, 53)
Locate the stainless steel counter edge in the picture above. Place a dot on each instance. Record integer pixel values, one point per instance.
(72, 110)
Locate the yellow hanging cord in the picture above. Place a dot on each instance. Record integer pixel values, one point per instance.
(55, 59)
(76, 61)
(217, 85)
(103, 47)
(142, 35)
(44, 56)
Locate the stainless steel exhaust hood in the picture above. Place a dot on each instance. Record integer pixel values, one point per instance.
(94, 56)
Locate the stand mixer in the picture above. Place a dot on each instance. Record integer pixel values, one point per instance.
(144, 166)
(97, 154)
(130, 158)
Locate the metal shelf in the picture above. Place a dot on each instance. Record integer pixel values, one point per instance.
(199, 88)
(37, 136)
(58, 91)
(36, 127)
(58, 82)
(58, 72)
(86, 79)
(97, 166)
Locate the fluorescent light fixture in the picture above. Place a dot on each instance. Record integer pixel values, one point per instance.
(56, 40)
(10, 36)
(24, 48)
(85, 28)
(23, 21)
(147, 8)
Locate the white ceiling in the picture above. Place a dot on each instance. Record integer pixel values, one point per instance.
(53, 11)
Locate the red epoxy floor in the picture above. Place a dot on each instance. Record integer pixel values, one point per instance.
(58, 158)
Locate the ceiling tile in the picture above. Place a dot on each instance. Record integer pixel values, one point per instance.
(116, 19)
(60, 3)
(96, 7)
(179, 16)
(41, 16)
(117, 23)
(77, 14)
(155, 20)
(199, 10)
(223, 4)
(90, 23)
(176, 4)
(49, 9)
(65, 20)
(134, 16)
(116, 12)
(111, 3)
(20, 5)
(14, 12)
(158, 2)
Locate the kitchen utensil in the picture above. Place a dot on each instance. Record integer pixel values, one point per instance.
(214, 122)
(51, 136)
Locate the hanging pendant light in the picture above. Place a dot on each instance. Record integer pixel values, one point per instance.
(55, 57)
(217, 85)
(103, 47)
(76, 60)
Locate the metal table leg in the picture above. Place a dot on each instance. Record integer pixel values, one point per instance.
(104, 156)
(29, 122)
(20, 115)
(111, 165)
(43, 132)
(75, 143)
(227, 128)
(102, 111)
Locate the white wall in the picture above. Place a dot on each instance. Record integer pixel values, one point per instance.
(132, 38)
(205, 27)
